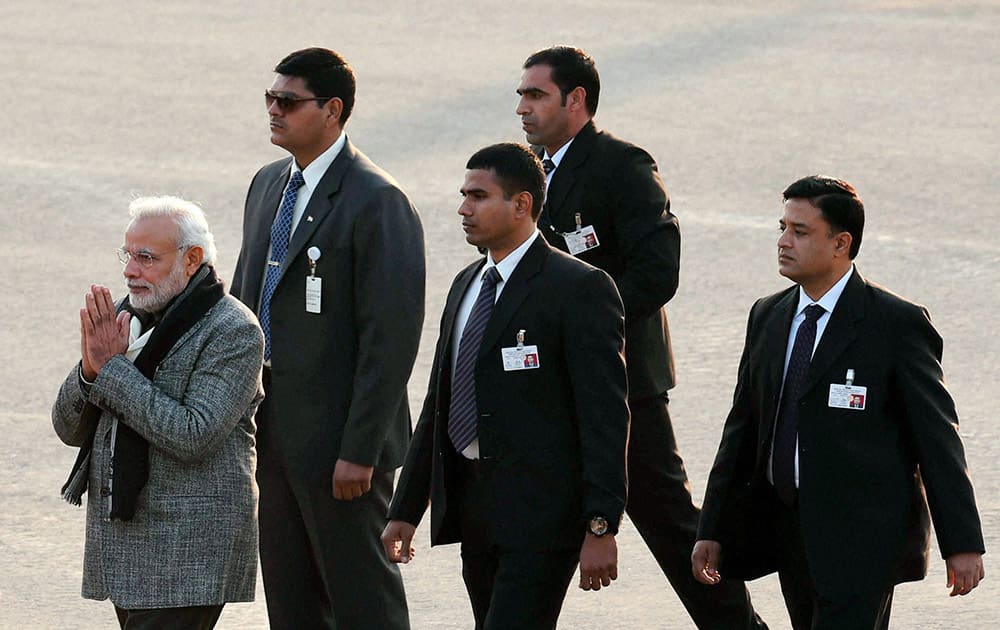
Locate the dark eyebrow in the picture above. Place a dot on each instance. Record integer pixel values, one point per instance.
(531, 90)
(469, 191)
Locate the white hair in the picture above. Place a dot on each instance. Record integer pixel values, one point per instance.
(192, 228)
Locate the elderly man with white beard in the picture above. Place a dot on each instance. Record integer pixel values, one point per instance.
(161, 405)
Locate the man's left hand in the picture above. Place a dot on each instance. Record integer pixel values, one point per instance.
(965, 571)
(350, 480)
(598, 561)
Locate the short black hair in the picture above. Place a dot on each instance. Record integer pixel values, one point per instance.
(837, 200)
(517, 169)
(571, 68)
(325, 73)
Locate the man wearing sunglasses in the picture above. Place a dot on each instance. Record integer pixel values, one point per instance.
(333, 264)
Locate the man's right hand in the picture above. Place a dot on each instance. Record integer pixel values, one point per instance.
(705, 562)
(397, 538)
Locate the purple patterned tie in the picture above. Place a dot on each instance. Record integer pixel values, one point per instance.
(463, 413)
(281, 232)
(786, 431)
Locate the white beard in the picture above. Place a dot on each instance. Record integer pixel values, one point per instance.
(158, 295)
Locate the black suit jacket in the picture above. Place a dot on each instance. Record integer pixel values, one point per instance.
(865, 476)
(339, 377)
(551, 439)
(616, 188)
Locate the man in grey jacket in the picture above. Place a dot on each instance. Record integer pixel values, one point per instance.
(161, 405)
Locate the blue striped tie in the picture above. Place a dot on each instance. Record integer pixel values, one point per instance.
(463, 413)
(281, 232)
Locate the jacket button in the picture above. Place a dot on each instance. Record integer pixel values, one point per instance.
(105, 491)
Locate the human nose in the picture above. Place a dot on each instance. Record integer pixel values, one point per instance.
(784, 241)
(274, 108)
(522, 107)
(132, 268)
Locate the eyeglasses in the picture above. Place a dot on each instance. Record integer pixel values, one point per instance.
(288, 104)
(144, 258)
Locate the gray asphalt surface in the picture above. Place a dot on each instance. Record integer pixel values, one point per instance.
(106, 101)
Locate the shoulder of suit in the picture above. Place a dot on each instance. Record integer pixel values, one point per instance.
(768, 302)
(231, 314)
(275, 168)
(891, 303)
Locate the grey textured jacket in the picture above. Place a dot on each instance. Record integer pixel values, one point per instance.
(193, 540)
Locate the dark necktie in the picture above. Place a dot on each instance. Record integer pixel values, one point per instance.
(281, 232)
(462, 414)
(543, 219)
(786, 431)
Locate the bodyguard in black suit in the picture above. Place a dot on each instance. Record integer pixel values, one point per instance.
(520, 447)
(607, 205)
(333, 264)
(841, 433)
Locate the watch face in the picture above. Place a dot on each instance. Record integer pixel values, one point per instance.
(598, 526)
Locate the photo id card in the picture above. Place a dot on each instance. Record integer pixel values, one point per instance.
(520, 358)
(314, 294)
(847, 396)
(581, 240)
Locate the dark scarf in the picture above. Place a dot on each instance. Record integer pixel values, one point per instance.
(131, 456)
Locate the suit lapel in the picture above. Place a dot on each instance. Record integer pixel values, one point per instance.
(454, 300)
(267, 204)
(840, 331)
(566, 174)
(320, 204)
(515, 291)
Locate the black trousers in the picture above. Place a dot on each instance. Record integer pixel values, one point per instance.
(322, 560)
(184, 618)
(660, 507)
(508, 588)
(807, 608)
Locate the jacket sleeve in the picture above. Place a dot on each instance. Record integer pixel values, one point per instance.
(389, 274)
(735, 460)
(933, 426)
(219, 390)
(66, 419)
(648, 234)
(594, 321)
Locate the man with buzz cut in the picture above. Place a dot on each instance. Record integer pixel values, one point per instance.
(841, 433)
(520, 447)
(333, 264)
(607, 205)
(161, 406)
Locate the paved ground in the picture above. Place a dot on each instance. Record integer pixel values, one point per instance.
(111, 100)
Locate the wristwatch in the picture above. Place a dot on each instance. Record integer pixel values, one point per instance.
(598, 526)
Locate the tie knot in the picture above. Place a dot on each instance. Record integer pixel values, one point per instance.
(814, 312)
(548, 165)
(296, 181)
(491, 277)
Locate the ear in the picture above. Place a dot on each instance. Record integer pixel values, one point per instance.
(577, 99)
(522, 205)
(842, 243)
(193, 258)
(334, 108)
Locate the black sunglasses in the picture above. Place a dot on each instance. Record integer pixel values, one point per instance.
(288, 103)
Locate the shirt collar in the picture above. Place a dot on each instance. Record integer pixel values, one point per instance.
(506, 266)
(317, 168)
(560, 154)
(829, 299)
